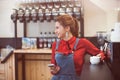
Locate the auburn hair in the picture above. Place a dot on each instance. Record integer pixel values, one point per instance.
(67, 20)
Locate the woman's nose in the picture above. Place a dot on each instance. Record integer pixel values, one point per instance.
(55, 31)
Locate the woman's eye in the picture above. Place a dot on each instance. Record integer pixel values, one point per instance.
(57, 27)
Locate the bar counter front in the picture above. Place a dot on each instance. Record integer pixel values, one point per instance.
(31, 64)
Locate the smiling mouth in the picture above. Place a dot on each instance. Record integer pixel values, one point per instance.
(57, 34)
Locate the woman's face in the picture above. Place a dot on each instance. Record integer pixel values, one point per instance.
(60, 30)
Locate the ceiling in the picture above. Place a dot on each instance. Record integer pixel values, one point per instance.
(107, 4)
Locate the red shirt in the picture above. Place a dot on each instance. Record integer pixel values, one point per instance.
(82, 48)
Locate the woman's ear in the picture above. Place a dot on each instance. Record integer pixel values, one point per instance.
(67, 28)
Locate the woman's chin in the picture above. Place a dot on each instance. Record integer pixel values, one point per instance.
(58, 37)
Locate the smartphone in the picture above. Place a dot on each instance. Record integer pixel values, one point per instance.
(51, 65)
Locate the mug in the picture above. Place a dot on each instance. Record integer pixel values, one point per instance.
(94, 60)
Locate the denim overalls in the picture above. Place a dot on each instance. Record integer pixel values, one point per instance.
(66, 63)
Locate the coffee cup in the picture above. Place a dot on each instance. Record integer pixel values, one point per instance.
(94, 60)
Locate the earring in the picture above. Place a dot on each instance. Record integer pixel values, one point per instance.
(66, 34)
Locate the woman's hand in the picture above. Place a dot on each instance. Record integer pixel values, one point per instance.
(98, 55)
(54, 69)
(101, 55)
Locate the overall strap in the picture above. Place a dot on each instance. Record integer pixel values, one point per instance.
(57, 44)
(76, 43)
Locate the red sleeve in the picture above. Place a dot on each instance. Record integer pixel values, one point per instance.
(53, 53)
(93, 50)
(90, 48)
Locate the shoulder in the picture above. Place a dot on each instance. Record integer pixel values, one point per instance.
(81, 40)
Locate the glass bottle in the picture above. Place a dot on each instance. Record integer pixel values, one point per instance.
(34, 14)
(41, 14)
(41, 40)
(45, 40)
(27, 15)
(21, 14)
(48, 14)
(49, 40)
(53, 37)
(14, 15)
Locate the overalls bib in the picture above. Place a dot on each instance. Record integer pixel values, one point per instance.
(66, 63)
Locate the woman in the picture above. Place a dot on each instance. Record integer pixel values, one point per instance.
(68, 53)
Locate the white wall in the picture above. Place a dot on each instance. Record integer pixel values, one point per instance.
(111, 19)
(96, 19)
(6, 28)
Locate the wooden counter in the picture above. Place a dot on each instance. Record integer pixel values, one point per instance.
(30, 51)
(32, 65)
(28, 65)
